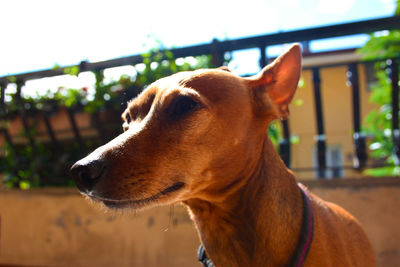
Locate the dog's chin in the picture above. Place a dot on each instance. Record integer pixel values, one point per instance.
(163, 197)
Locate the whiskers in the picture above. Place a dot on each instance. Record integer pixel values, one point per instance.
(171, 216)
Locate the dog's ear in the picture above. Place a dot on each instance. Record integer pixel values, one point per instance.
(279, 81)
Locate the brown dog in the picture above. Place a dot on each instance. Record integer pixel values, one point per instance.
(200, 138)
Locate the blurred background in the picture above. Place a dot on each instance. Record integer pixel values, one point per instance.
(68, 68)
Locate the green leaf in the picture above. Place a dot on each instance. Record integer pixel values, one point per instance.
(384, 171)
(74, 70)
(12, 79)
(294, 139)
(24, 185)
(299, 102)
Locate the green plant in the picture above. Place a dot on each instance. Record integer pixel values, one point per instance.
(381, 46)
(378, 121)
(26, 166)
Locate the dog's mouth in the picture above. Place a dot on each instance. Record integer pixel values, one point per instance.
(136, 203)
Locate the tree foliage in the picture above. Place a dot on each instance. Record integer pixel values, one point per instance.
(380, 47)
(26, 165)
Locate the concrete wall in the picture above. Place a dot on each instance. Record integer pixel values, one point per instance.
(375, 202)
(58, 227)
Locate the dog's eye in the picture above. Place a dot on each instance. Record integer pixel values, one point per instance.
(128, 118)
(184, 105)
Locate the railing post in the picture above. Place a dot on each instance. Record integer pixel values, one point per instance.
(50, 130)
(394, 77)
(284, 144)
(3, 86)
(361, 156)
(25, 124)
(98, 125)
(320, 138)
(74, 126)
(263, 57)
(217, 56)
(3, 115)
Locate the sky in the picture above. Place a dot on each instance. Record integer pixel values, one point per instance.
(37, 34)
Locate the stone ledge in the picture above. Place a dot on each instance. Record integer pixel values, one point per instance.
(320, 183)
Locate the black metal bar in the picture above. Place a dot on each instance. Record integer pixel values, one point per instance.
(99, 126)
(74, 126)
(3, 115)
(394, 77)
(284, 144)
(3, 86)
(7, 137)
(25, 124)
(263, 56)
(320, 138)
(305, 47)
(49, 129)
(360, 154)
(217, 55)
(366, 26)
(352, 28)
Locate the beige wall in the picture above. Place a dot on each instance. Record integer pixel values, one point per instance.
(337, 114)
(375, 203)
(57, 227)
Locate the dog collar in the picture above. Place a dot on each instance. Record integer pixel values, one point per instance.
(307, 231)
(305, 240)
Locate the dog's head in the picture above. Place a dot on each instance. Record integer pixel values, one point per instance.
(190, 135)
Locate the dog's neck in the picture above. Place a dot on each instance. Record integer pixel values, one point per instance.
(256, 224)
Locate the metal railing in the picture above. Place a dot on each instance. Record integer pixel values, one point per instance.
(217, 49)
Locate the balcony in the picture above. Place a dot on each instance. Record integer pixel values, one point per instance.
(322, 140)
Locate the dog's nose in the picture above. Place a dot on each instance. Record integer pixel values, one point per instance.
(86, 173)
